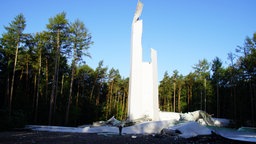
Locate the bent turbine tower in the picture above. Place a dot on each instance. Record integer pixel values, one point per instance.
(143, 83)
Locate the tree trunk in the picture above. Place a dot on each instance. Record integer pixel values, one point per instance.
(62, 85)
(21, 74)
(118, 103)
(57, 84)
(77, 95)
(205, 99)
(110, 98)
(27, 80)
(13, 76)
(252, 102)
(179, 94)
(97, 101)
(7, 88)
(188, 100)
(201, 100)
(123, 106)
(166, 104)
(34, 93)
(170, 103)
(218, 101)
(94, 83)
(70, 91)
(38, 86)
(51, 101)
(54, 83)
(169, 108)
(174, 96)
(191, 95)
(46, 79)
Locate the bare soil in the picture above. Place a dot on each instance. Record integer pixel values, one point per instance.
(40, 137)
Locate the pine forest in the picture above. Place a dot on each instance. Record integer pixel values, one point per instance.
(44, 79)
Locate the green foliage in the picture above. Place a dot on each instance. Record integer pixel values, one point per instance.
(58, 22)
(43, 77)
(228, 92)
(165, 93)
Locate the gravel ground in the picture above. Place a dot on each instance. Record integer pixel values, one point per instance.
(40, 137)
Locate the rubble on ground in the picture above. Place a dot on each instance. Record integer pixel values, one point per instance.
(185, 125)
(187, 130)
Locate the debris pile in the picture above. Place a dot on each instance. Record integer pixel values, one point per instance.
(184, 125)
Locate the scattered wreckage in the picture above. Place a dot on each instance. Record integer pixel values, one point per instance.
(197, 116)
(184, 125)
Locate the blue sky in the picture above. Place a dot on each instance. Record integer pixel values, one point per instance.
(182, 31)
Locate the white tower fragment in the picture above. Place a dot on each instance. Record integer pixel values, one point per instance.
(143, 85)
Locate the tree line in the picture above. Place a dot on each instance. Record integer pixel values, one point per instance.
(44, 79)
(225, 92)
